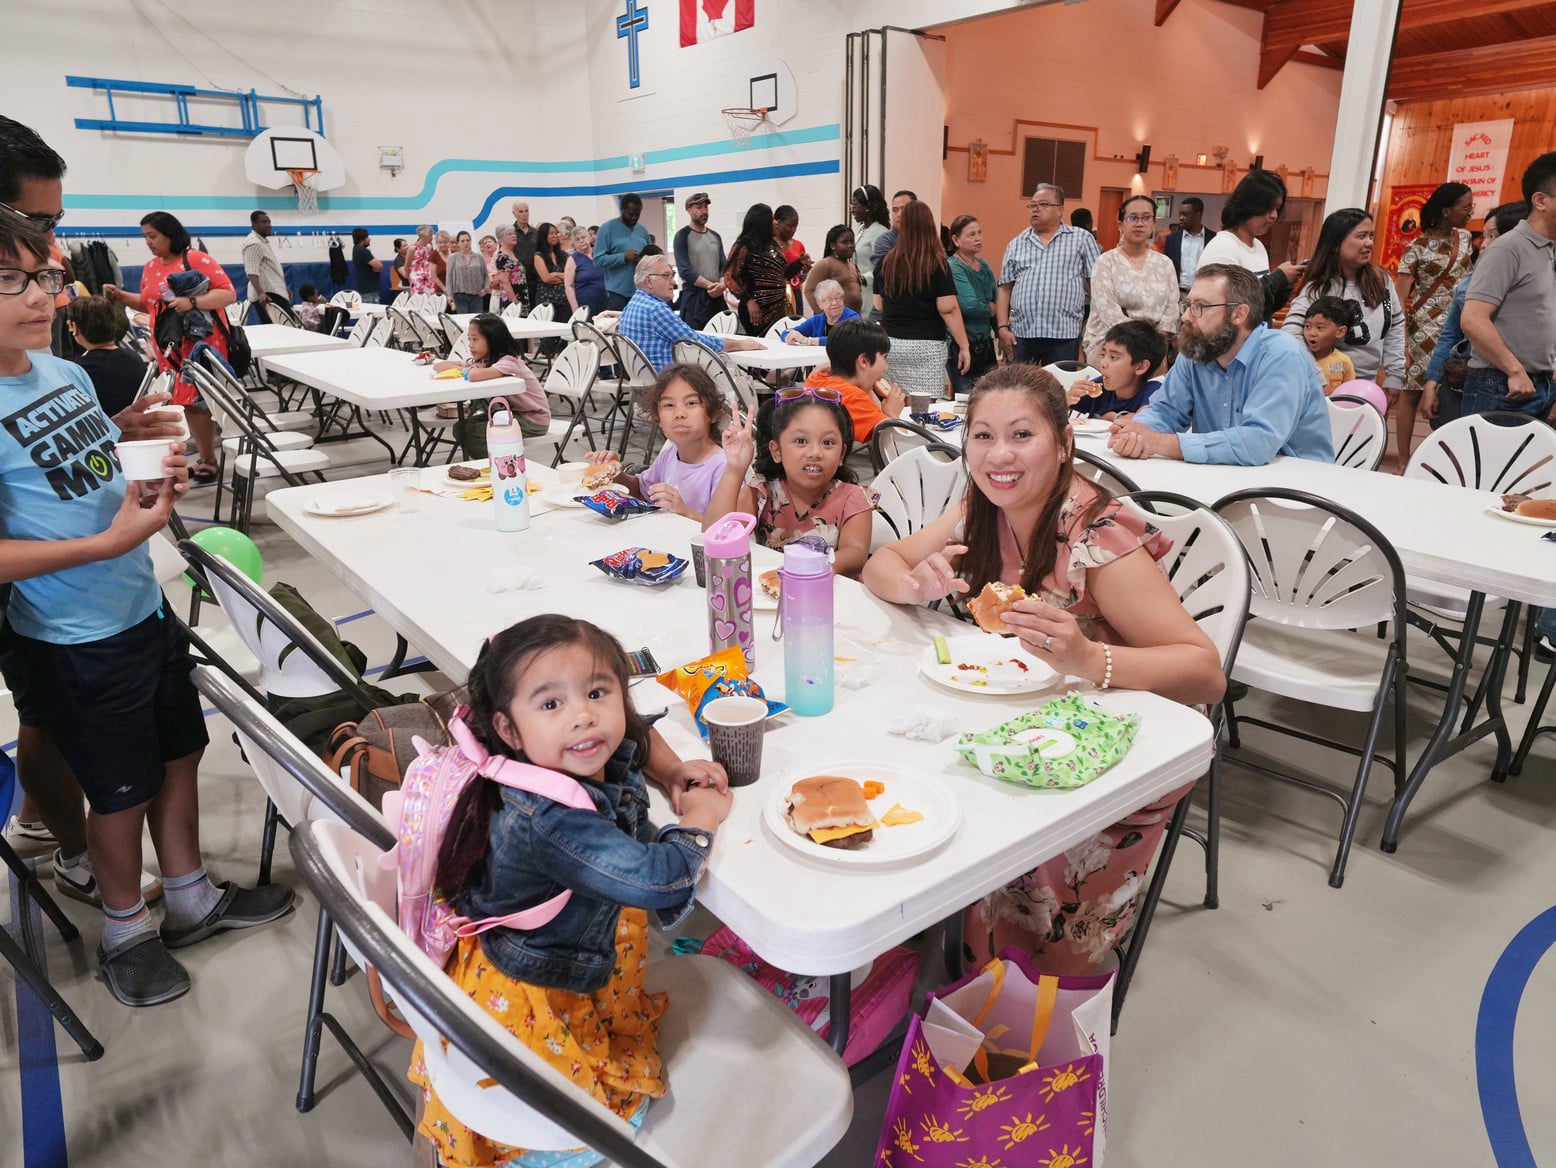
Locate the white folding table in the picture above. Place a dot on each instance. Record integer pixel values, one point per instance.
(272, 340)
(774, 354)
(811, 917)
(522, 328)
(1442, 534)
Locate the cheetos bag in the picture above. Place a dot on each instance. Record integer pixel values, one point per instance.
(1006, 1069)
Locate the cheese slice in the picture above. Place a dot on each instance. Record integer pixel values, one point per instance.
(900, 815)
(824, 835)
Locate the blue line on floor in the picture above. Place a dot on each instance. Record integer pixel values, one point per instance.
(356, 616)
(1494, 1030)
(43, 1111)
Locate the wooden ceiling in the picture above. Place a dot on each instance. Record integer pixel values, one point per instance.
(1445, 48)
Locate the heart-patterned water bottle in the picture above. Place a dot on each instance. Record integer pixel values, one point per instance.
(727, 550)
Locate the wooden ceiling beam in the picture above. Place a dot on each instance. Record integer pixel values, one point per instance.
(1529, 64)
(1164, 10)
(1309, 57)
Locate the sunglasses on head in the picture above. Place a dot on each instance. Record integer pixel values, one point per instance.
(796, 392)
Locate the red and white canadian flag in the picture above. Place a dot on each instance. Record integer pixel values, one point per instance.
(702, 20)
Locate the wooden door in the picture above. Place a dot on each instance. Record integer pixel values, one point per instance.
(1111, 199)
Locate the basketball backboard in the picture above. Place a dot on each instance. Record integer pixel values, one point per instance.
(273, 155)
(769, 85)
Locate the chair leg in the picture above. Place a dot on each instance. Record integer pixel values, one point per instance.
(57, 1006)
(1526, 655)
(951, 945)
(1534, 728)
(313, 1024)
(1153, 896)
(338, 965)
(267, 844)
(1386, 689)
(32, 888)
(1213, 834)
(1232, 738)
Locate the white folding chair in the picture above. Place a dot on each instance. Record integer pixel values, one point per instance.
(1320, 574)
(1209, 571)
(279, 312)
(916, 487)
(776, 330)
(894, 437)
(347, 298)
(635, 373)
(1358, 432)
(571, 379)
(237, 312)
(429, 333)
(1097, 470)
(579, 313)
(516, 310)
(732, 382)
(451, 329)
(1066, 372)
(724, 323)
(361, 331)
(721, 1028)
(543, 312)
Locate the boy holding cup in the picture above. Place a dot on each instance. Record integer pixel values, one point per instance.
(106, 668)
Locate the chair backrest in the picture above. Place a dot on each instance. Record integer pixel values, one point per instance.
(279, 312)
(401, 301)
(587, 330)
(1067, 371)
(579, 313)
(489, 1080)
(1502, 452)
(428, 332)
(515, 309)
(230, 401)
(1315, 564)
(722, 322)
(460, 350)
(362, 330)
(237, 312)
(916, 488)
(294, 777)
(574, 370)
(451, 329)
(1207, 566)
(404, 332)
(332, 318)
(1358, 431)
(731, 382)
(894, 437)
(292, 662)
(776, 330)
(1096, 470)
(416, 302)
(347, 298)
(545, 312)
(379, 334)
(635, 367)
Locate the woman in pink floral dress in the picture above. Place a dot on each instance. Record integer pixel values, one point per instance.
(1097, 607)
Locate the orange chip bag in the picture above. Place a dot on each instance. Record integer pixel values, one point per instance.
(692, 680)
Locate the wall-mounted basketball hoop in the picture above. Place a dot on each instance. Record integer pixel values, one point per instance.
(743, 121)
(302, 184)
(297, 158)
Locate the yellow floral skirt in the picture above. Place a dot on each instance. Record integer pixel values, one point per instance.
(605, 1041)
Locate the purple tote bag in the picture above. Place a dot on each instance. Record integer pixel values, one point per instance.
(1006, 1069)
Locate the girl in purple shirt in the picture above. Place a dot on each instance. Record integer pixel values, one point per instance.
(691, 413)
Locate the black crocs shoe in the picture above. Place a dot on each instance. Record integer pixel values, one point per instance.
(238, 908)
(141, 972)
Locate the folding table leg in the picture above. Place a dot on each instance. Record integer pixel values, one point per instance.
(841, 1007)
(1535, 729)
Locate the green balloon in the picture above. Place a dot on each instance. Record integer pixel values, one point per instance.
(234, 547)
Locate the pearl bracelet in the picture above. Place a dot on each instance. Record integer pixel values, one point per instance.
(1107, 671)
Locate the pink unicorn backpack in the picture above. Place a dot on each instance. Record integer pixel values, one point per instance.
(418, 814)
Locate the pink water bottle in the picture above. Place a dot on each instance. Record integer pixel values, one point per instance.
(805, 627)
(727, 550)
(510, 477)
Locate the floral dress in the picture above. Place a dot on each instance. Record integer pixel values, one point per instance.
(1071, 911)
(1425, 261)
(779, 521)
(418, 268)
(1120, 291)
(603, 1041)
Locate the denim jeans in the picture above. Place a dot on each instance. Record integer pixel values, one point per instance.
(1047, 350)
(1485, 391)
(469, 302)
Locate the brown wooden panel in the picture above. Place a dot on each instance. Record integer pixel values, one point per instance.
(1489, 69)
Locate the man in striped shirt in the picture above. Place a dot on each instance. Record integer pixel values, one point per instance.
(1041, 304)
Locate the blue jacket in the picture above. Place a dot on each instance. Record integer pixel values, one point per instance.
(608, 857)
(611, 245)
(816, 326)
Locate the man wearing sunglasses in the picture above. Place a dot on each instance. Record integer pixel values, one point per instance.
(1240, 393)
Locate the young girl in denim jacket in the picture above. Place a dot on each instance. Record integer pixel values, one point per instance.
(552, 691)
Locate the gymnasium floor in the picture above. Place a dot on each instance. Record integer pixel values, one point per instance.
(1295, 1026)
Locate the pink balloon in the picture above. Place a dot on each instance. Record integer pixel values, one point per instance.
(1369, 391)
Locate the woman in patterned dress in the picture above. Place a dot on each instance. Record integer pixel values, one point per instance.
(1428, 272)
(1132, 281)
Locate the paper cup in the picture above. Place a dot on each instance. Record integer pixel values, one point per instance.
(735, 736)
(573, 472)
(183, 423)
(405, 486)
(700, 560)
(919, 403)
(142, 461)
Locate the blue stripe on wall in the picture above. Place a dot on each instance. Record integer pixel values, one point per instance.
(828, 133)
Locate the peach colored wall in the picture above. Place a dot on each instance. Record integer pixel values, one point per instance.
(1184, 88)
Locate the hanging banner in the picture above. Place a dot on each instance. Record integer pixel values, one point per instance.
(1401, 222)
(1478, 158)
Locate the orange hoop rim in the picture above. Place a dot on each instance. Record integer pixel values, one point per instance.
(300, 177)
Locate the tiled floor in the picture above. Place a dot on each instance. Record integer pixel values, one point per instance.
(1297, 1025)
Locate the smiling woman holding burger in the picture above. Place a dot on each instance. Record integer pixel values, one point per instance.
(1096, 606)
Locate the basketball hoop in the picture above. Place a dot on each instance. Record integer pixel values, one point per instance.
(743, 122)
(307, 196)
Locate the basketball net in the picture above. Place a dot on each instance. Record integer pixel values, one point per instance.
(307, 197)
(743, 122)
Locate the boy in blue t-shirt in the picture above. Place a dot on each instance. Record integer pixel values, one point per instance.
(1131, 352)
(107, 670)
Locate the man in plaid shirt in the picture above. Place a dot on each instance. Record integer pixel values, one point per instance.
(1043, 284)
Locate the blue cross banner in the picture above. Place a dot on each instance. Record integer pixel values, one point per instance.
(629, 24)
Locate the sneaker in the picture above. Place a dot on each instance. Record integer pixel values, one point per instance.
(77, 882)
(29, 840)
(238, 908)
(1544, 650)
(141, 972)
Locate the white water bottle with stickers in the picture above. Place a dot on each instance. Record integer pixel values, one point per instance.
(510, 477)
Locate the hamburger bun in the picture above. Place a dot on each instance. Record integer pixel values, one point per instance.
(989, 606)
(602, 475)
(831, 809)
(1537, 508)
(771, 584)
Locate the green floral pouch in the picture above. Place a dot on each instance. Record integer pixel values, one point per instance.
(1062, 744)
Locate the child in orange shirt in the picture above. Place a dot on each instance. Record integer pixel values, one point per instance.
(1329, 321)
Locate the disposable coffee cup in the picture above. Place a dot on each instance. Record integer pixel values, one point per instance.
(142, 461)
(573, 472)
(183, 422)
(735, 736)
(700, 560)
(920, 403)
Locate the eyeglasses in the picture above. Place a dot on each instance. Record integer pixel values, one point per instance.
(1195, 309)
(14, 281)
(820, 392)
(41, 222)
(666, 275)
(1035, 206)
(1139, 218)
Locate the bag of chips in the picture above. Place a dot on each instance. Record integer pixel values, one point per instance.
(719, 675)
(642, 566)
(1064, 743)
(615, 504)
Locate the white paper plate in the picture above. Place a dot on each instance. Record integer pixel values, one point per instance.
(466, 484)
(997, 663)
(567, 492)
(916, 792)
(1512, 517)
(1090, 425)
(345, 508)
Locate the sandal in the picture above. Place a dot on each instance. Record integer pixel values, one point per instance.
(202, 474)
